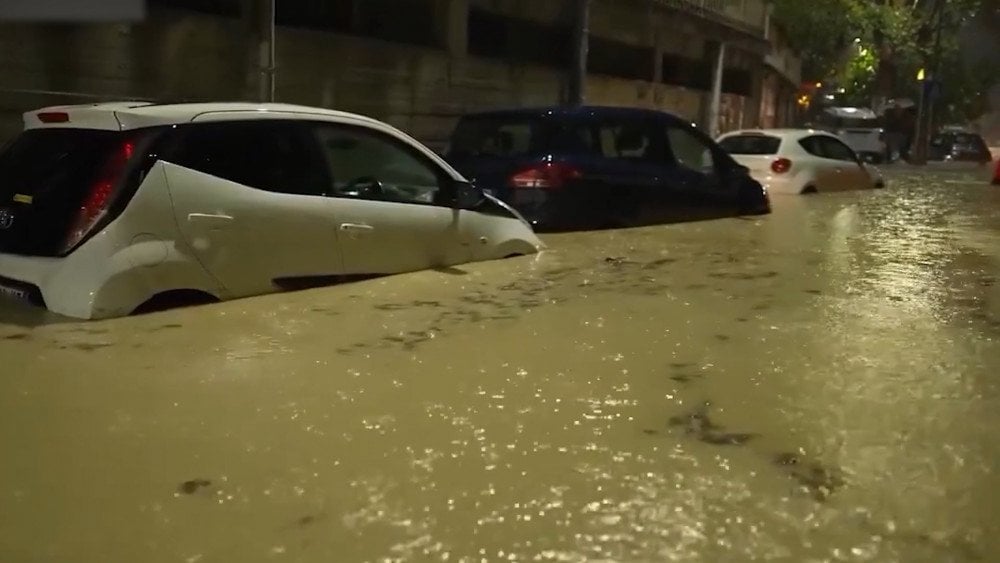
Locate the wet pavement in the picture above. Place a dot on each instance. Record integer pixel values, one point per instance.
(822, 384)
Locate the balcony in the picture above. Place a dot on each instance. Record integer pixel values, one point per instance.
(748, 15)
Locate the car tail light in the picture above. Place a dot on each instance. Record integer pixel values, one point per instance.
(53, 117)
(546, 175)
(781, 165)
(996, 175)
(100, 195)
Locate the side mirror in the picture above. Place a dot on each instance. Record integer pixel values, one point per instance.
(467, 196)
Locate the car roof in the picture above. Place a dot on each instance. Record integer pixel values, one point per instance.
(851, 112)
(575, 111)
(783, 133)
(131, 115)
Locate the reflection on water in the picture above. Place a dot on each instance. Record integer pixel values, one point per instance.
(816, 385)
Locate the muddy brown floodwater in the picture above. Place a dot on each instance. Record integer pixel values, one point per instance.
(822, 384)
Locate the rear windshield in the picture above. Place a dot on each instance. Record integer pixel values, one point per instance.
(751, 144)
(959, 139)
(969, 140)
(44, 176)
(496, 136)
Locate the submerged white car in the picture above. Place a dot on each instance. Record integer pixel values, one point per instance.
(800, 161)
(111, 208)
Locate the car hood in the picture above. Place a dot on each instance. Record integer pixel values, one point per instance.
(497, 201)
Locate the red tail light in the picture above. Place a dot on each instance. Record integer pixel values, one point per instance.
(101, 194)
(544, 176)
(996, 174)
(53, 117)
(781, 166)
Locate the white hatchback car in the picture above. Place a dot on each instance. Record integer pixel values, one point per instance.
(800, 161)
(110, 208)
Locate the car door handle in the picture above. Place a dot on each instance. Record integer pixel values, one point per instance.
(210, 219)
(356, 227)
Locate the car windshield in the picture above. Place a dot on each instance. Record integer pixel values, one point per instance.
(44, 175)
(969, 140)
(751, 144)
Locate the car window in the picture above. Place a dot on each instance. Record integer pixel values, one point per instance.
(624, 139)
(813, 146)
(495, 136)
(940, 141)
(751, 144)
(837, 150)
(689, 149)
(264, 154)
(369, 165)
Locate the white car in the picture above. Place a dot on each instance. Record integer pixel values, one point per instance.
(110, 208)
(859, 128)
(800, 161)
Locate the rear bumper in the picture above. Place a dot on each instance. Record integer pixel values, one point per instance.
(67, 286)
(106, 277)
(790, 185)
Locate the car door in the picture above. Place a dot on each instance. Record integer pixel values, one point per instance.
(827, 171)
(849, 173)
(622, 172)
(392, 204)
(249, 203)
(694, 182)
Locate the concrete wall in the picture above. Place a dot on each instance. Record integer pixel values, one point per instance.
(177, 56)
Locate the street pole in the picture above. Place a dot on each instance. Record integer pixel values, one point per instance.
(581, 46)
(925, 111)
(917, 153)
(265, 34)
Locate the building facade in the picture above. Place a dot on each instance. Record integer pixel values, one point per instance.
(418, 64)
(782, 80)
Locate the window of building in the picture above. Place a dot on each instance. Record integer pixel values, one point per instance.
(498, 36)
(687, 72)
(230, 8)
(400, 21)
(614, 58)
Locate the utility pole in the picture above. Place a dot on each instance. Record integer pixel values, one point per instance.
(581, 46)
(265, 45)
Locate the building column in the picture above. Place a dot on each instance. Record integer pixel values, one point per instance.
(259, 18)
(577, 94)
(659, 50)
(718, 50)
(453, 26)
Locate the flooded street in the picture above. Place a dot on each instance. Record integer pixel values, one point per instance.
(820, 384)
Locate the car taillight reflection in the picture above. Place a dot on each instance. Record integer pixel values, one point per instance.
(546, 175)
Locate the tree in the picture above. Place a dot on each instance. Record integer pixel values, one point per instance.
(874, 48)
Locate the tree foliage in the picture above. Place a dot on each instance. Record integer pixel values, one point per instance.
(874, 48)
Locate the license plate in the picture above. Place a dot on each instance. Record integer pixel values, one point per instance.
(14, 293)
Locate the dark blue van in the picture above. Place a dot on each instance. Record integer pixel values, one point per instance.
(596, 167)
